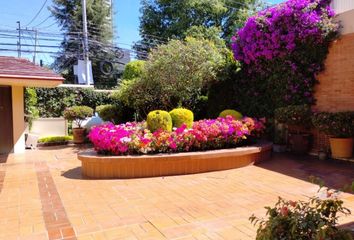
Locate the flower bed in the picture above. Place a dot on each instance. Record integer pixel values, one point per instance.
(135, 138)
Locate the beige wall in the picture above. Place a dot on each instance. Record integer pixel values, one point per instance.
(18, 119)
(346, 20)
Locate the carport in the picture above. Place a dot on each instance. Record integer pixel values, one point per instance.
(15, 74)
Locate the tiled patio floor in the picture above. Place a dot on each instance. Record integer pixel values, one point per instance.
(42, 196)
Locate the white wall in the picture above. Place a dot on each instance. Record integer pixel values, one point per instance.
(45, 127)
(341, 6)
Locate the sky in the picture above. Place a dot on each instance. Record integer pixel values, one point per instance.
(126, 22)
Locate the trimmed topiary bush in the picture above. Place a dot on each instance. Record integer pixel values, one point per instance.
(78, 114)
(182, 116)
(159, 120)
(110, 113)
(232, 113)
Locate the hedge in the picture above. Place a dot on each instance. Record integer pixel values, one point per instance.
(52, 102)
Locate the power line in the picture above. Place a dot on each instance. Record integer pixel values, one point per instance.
(48, 26)
(43, 21)
(37, 13)
(26, 51)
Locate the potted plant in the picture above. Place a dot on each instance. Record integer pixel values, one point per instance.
(279, 142)
(298, 120)
(340, 129)
(78, 114)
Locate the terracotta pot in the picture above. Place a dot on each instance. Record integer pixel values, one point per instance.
(300, 143)
(278, 148)
(79, 135)
(341, 147)
(322, 155)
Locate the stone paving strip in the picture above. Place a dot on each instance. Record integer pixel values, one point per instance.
(56, 221)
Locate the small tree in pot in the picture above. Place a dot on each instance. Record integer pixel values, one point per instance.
(340, 128)
(78, 114)
(298, 120)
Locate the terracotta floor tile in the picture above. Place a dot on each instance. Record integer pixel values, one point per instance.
(43, 195)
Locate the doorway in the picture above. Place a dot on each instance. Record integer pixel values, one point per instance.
(6, 127)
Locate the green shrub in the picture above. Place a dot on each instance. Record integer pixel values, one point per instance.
(182, 116)
(232, 113)
(294, 115)
(55, 139)
(78, 114)
(53, 101)
(303, 220)
(133, 69)
(340, 124)
(174, 75)
(111, 113)
(159, 119)
(31, 110)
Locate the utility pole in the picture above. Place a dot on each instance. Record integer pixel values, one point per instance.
(35, 45)
(86, 47)
(19, 39)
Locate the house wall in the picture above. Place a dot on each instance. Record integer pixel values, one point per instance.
(18, 119)
(341, 6)
(335, 91)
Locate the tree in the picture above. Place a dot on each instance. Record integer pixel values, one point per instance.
(174, 75)
(68, 14)
(175, 19)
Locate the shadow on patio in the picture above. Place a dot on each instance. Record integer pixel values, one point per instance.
(335, 174)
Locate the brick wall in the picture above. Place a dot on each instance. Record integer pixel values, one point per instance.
(335, 91)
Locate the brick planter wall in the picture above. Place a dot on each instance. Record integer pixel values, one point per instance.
(105, 167)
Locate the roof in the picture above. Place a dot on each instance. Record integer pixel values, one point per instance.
(19, 68)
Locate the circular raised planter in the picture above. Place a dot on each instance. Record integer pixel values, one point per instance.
(137, 166)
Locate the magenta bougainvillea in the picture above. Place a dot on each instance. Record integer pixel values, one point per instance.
(277, 31)
(282, 49)
(135, 138)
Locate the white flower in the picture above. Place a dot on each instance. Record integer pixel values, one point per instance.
(125, 140)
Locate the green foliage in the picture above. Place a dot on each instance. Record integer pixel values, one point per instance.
(159, 120)
(233, 113)
(68, 14)
(174, 75)
(176, 19)
(55, 139)
(78, 114)
(31, 110)
(294, 115)
(200, 107)
(340, 124)
(303, 220)
(53, 101)
(207, 33)
(114, 113)
(133, 69)
(182, 116)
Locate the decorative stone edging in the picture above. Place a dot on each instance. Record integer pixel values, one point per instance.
(104, 167)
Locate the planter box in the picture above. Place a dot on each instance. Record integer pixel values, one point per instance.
(103, 167)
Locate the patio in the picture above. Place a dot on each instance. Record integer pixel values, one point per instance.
(44, 197)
